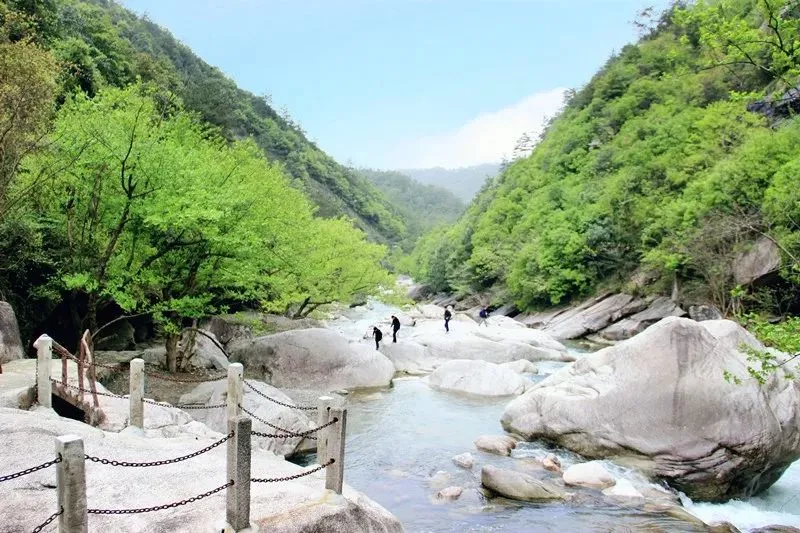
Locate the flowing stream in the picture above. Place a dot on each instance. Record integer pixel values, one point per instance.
(398, 439)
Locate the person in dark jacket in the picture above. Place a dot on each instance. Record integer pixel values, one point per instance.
(447, 316)
(484, 314)
(395, 328)
(378, 336)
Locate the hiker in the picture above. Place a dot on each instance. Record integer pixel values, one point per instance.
(378, 336)
(395, 327)
(484, 314)
(447, 316)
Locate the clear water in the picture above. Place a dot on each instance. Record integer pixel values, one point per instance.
(399, 438)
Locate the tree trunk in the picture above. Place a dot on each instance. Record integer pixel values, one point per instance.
(172, 351)
(188, 345)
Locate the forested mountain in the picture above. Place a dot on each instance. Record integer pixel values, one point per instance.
(677, 155)
(105, 44)
(423, 207)
(463, 182)
(136, 179)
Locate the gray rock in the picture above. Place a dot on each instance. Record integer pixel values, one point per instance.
(634, 324)
(704, 312)
(519, 486)
(420, 292)
(316, 359)
(207, 354)
(509, 310)
(776, 529)
(477, 377)
(552, 463)
(464, 460)
(10, 343)
(591, 474)
(763, 257)
(496, 444)
(449, 493)
(521, 366)
(118, 336)
(660, 398)
(582, 321)
(228, 329)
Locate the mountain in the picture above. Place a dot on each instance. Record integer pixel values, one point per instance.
(102, 43)
(424, 207)
(679, 155)
(463, 182)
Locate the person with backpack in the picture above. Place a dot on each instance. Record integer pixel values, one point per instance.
(484, 314)
(447, 316)
(395, 328)
(378, 336)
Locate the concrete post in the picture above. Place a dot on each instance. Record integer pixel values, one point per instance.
(44, 352)
(71, 485)
(324, 406)
(238, 495)
(136, 415)
(334, 474)
(235, 393)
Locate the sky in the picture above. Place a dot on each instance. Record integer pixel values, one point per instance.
(406, 83)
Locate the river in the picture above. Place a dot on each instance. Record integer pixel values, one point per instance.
(399, 438)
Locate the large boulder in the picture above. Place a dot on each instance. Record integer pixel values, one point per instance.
(661, 398)
(314, 359)
(229, 329)
(301, 505)
(628, 327)
(592, 474)
(215, 393)
(408, 356)
(585, 320)
(477, 377)
(10, 344)
(496, 444)
(519, 486)
(704, 312)
(117, 336)
(207, 352)
(762, 258)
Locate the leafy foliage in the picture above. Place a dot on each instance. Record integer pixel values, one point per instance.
(631, 175)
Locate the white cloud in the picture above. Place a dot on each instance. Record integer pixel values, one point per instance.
(486, 138)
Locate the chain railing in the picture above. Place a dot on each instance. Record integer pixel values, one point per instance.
(273, 400)
(294, 476)
(30, 470)
(47, 522)
(71, 459)
(161, 507)
(114, 462)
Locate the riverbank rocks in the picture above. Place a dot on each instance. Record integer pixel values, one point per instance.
(626, 328)
(591, 474)
(477, 377)
(10, 343)
(582, 320)
(660, 398)
(496, 444)
(215, 393)
(521, 366)
(551, 463)
(464, 460)
(623, 491)
(315, 359)
(519, 486)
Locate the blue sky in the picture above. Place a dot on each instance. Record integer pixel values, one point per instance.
(406, 83)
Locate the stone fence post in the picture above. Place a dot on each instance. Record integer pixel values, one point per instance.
(331, 440)
(238, 494)
(44, 354)
(235, 393)
(71, 485)
(136, 396)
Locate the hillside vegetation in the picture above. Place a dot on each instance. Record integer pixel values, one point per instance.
(134, 178)
(654, 170)
(423, 207)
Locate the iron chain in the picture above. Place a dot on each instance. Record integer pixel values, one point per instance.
(295, 476)
(113, 462)
(30, 470)
(183, 380)
(44, 524)
(289, 433)
(293, 434)
(73, 387)
(298, 407)
(185, 406)
(161, 507)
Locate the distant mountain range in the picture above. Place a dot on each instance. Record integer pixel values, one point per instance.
(463, 182)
